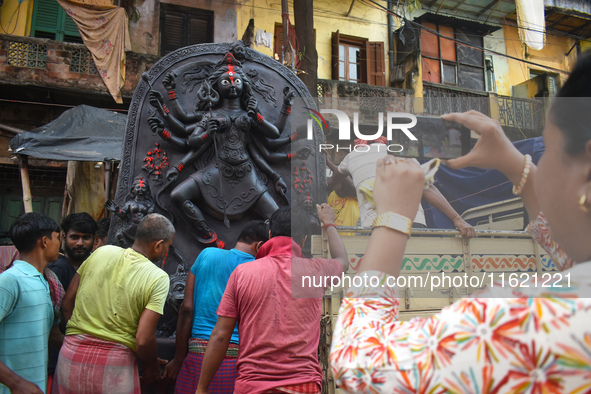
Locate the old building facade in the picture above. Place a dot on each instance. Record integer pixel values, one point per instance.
(434, 55)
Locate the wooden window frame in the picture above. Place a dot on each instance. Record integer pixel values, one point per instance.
(372, 60)
(187, 14)
(346, 62)
(489, 74)
(457, 63)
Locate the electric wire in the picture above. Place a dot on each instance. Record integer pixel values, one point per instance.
(470, 45)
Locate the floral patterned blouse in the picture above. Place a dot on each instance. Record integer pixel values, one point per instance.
(506, 340)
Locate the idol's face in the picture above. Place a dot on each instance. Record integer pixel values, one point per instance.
(230, 85)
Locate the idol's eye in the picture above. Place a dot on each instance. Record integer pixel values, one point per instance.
(225, 82)
(238, 81)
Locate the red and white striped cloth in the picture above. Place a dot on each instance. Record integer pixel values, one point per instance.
(303, 388)
(88, 364)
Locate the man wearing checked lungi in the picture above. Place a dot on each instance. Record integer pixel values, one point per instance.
(197, 315)
(119, 297)
(278, 318)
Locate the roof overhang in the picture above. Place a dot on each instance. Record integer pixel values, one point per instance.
(460, 22)
(479, 11)
(563, 17)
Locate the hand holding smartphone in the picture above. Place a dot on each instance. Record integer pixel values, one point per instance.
(438, 138)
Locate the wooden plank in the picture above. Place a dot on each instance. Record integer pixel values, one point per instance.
(506, 246)
(434, 245)
(456, 6)
(27, 197)
(7, 160)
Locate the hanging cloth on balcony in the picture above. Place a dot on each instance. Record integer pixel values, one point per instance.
(264, 38)
(531, 22)
(105, 33)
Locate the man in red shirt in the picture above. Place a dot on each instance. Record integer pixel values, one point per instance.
(278, 316)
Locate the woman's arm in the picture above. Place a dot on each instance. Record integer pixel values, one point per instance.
(496, 152)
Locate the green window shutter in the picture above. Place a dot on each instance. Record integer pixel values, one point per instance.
(51, 21)
(45, 19)
(70, 27)
(12, 208)
(53, 208)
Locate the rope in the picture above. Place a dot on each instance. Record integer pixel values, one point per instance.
(291, 35)
(474, 194)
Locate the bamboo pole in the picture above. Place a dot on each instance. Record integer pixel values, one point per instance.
(27, 197)
(108, 169)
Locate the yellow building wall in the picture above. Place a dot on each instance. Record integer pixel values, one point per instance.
(585, 45)
(553, 55)
(15, 17)
(329, 16)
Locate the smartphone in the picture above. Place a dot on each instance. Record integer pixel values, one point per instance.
(438, 138)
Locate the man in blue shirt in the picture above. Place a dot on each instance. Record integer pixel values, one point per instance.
(197, 316)
(26, 310)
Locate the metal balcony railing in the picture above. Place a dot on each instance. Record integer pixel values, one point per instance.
(440, 99)
(371, 98)
(521, 113)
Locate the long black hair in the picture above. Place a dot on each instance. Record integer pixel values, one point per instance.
(571, 110)
(212, 99)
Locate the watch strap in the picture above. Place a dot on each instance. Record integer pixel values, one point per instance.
(394, 221)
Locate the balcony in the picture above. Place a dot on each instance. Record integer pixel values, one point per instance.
(371, 98)
(441, 99)
(520, 117)
(61, 65)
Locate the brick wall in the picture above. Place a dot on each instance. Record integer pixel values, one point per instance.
(56, 72)
(45, 182)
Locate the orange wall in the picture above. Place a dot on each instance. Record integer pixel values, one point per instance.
(553, 55)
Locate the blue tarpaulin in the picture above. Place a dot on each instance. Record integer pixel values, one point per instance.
(471, 187)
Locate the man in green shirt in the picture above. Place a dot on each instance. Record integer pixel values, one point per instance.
(119, 297)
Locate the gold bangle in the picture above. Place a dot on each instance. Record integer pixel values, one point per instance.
(524, 175)
(394, 221)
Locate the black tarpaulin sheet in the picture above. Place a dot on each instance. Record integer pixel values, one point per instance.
(83, 133)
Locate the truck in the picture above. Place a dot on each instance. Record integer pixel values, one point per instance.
(440, 266)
